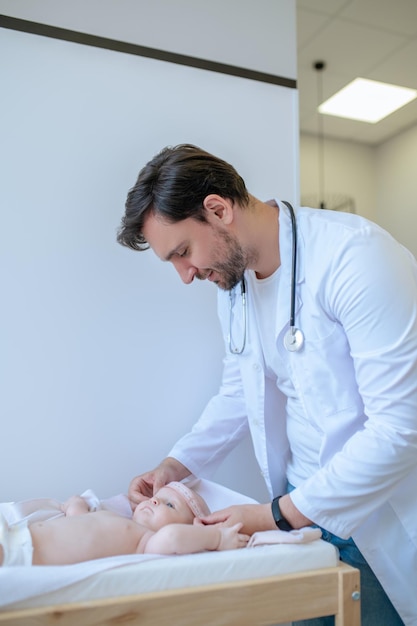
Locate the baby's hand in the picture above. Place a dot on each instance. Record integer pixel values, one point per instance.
(231, 538)
(76, 505)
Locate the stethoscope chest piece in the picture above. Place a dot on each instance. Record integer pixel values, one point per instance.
(293, 339)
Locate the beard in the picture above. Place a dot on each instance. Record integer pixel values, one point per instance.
(232, 269)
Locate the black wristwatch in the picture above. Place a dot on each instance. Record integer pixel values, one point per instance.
(280, 520)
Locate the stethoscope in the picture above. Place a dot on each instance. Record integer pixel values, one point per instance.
(294, 337)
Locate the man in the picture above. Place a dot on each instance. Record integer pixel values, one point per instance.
(331, 407)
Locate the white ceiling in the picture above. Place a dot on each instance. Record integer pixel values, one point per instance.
(374, 39)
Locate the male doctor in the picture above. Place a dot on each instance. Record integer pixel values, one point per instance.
(332, 408)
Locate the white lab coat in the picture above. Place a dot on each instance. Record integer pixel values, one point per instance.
(357, 378)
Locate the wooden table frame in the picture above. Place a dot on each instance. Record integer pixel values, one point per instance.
(255, 602)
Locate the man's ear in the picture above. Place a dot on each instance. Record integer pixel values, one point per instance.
(218, 209)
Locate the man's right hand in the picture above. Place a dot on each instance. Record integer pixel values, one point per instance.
(143, 487)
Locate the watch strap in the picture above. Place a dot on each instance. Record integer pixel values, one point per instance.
(279, 519)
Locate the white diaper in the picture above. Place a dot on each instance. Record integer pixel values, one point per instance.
(16, 542)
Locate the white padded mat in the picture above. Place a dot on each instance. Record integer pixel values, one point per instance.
(188, 570)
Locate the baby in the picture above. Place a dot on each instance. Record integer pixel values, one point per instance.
(167, 523)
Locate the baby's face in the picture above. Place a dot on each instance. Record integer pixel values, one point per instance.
(166, 507)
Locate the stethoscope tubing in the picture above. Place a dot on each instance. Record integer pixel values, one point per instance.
(233, 349)
(293, 263)
(294, 337)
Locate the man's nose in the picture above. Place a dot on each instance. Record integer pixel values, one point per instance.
(186, 271)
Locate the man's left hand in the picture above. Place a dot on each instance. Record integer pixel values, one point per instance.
(254, 517)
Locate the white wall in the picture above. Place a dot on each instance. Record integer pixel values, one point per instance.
(349, 169)
(382, 179)
(396, 162)
(106, 358)
(255, 35)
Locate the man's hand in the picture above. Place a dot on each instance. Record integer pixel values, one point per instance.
(252, 517)
(143, 487)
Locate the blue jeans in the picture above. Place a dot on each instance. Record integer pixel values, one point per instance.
(376, 607)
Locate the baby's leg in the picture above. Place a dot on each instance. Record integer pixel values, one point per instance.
(38, 508)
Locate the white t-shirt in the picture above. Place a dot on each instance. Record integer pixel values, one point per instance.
(304, 436)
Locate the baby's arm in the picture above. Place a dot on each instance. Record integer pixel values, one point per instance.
(187, 539)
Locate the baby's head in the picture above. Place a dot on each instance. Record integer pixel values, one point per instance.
(194, 501)
(175, 503)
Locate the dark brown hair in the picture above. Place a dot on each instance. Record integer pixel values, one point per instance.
(174, 185)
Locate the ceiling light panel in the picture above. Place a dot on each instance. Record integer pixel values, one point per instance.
(367, 100)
